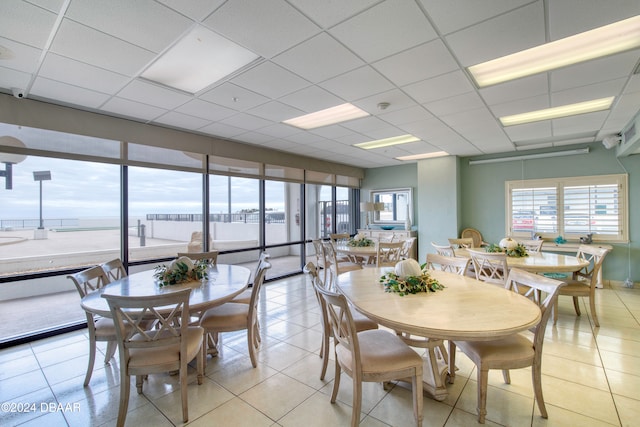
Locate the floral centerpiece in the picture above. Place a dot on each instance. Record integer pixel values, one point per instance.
(509, 246)
(360, 240)
(181, 270)
(409, 277)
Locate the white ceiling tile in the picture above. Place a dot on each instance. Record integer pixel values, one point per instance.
(25, 58)
(421, 62)
(578, 124)
(126, 107)
(151, 94)
(330, 12)
(205, 110)
(279, 130)
(93, 47)
(234, 97)
(458, 103)
(255, 138)
(12, 78)
(222, 130)
(194, 9)
(266, 27)
(440, 87)
(305, 138)
(367, 125)
(312, 98)
(396, 99)
(372, 35)
(25, 22)
(407, 115)
(587, 93)
(246, 121)
(180, 120)
(144, 23)
(487, 40)
(569, 17)
(521, 106)
(49, 89)
(529, 131)
(275, 111)
(591, 72)
(76, 73)
(521, 88)
(319, 59)
(466, 12)
(270, 80)
(357, 84)
(332, 131)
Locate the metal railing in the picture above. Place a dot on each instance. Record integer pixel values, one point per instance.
(35, 223)
(248, 218)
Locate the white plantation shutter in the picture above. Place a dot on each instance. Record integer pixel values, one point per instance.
(570, 207)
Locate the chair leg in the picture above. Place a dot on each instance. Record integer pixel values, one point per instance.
(139, 379)
(416, 386)
(250, 343)
(536, 376)
(506, 376)
(555, 312)
(336, 383)
(452, 361)
(200, 358)
(357, 402)
(112, 346)
(92, 357)
(576, 305)
(125, 386)
(483, 380)
(183, 391)
(324, 353)
(592, 306)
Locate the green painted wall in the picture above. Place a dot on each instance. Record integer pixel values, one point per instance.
(477, 199)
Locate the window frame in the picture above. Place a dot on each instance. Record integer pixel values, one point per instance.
(560, 184)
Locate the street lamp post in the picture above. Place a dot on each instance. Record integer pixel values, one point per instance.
(41, 176)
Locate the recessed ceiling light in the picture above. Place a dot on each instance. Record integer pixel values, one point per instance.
(607, 40)
(329, 116)
(557, 112)
(395, 140)
(198, 60)
(423, 156)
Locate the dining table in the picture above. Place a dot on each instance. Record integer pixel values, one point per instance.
(539, 262)
(466, 310)
(360, 254)
(224, 282)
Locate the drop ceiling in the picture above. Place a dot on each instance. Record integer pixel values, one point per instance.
(411, 54)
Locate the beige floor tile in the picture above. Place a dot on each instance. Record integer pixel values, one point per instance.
(459, 418)
(24, 408)
(396, 409)
(574, 352)
(317, 410)
(277, 395)
(617, 345)
(629, 410)
(621, 362)
(282, 355)
(372, 393)
(580, 399)
(234, 412)
(308, 339)
(503, 407)
(571, 370)
(50, 419)
(559, 417)
(624, 384)
(240, 377)
(307, 371)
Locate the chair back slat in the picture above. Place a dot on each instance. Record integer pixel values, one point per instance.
(456, 265)
(463, 242)
(114, 269)
(532, 246)
(595, 257)
(89, 280)
(446, 250)
(388, 253)
(490, 267)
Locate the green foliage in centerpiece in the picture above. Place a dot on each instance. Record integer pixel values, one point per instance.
(518, 251)
(360, 240)
(180, 271)
(410, 284)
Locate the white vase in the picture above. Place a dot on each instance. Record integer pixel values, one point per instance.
(407, 224)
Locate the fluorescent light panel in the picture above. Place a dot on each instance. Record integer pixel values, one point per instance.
(557, 112)
(198, 60)
(329, 116)
(531, 156)
(386, 142)
(423, 156)
(607, 40)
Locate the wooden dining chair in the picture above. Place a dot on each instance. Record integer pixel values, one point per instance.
(446, 250)
(114, 269)
(463, 243)
(211, 256)
(407, 248)
(475, 235)
(456, 265)
(490, 267)
(234, 316)
(168, 347)
(99, 328)
(388, 254)
(583, 283)
(532, 246)
(374, 355)
(336, 265)
(515, 351)
(361, 321)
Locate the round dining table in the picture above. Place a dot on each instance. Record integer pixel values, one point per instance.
(224, 282)
(466, 310)
(540, 262)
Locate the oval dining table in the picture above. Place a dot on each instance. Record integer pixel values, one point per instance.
(224, 282)
(466, 310)
(540, 262)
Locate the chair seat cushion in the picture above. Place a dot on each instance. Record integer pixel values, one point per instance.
(362, 322)
(145, 357)
(380, 351)
(243, 298)
(105, 328)
(575, 287)
(226, 315)
(510, 350)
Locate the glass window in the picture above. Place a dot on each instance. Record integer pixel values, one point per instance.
(165, 210)
(570, 207)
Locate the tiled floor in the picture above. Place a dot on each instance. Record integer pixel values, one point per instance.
(590, 378)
